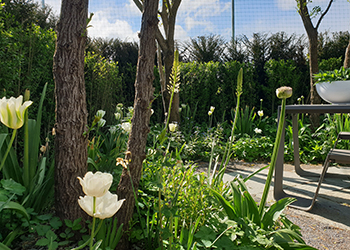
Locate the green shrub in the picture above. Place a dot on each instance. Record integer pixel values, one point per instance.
(103, 86)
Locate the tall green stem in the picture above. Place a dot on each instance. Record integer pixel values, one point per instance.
(27, 177)
(274, 157)
(8, 148)
(233, 130)
(93, 223)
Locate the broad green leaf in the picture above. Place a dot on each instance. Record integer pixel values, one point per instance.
(13, 186)
(4, 247)
(274, 212)
(253, 210)
(229, 209)
(15, 206)
(237, 198)
(43, 242)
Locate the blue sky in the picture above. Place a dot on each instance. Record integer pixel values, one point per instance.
(121, 18)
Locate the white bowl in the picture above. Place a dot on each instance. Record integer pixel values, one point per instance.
(337, 92)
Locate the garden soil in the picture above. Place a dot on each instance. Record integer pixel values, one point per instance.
(327, 225)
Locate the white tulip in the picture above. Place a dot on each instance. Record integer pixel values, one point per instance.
(126, 126)
(96, 184)
(12, 111)
(172, 127)
(105, 206)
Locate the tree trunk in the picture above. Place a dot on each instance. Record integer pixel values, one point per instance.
(347, 57)
(142, 111)
(71, 114)
(313, 61)
(313, 64)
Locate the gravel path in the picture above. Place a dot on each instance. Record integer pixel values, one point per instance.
(318, 234)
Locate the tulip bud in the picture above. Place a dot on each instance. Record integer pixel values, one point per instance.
(172, 127)
(12, 111)
(117, 116)
(26, 95)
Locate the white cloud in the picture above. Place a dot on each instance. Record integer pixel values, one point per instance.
(191, 22)
(197, 14)
(103, 27)
(180, 33)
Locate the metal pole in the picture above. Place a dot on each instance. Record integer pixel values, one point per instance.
(233, 19)
(43, 4)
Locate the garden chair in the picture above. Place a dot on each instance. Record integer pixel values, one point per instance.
(341, 156)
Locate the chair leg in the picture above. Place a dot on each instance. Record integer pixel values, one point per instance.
(324, 171)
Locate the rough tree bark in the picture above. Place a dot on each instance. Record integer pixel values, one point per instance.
(142, 111)
(312, 34)
(166, 43)
(71, 113)
(347, 57)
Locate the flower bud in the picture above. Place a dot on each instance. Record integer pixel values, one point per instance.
(284, 92)
(172, 127)
(12, 111)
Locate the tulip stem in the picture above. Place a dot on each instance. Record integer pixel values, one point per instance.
(93, 222)
(8, 148)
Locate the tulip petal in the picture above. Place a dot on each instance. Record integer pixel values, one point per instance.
(96, 184)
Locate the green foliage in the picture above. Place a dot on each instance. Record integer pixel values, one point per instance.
(332, 45)
(103, 85)
(245, 120)
(330, 64)
(253, 149)
(334, 75)
(282, 73)
(109, 234)
(249, 228)
(214, 84)
(204, 49)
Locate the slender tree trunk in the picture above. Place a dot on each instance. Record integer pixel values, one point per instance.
(312, 34)
(313, 64)
(71, 113)
(142, 111)
(347, 57)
